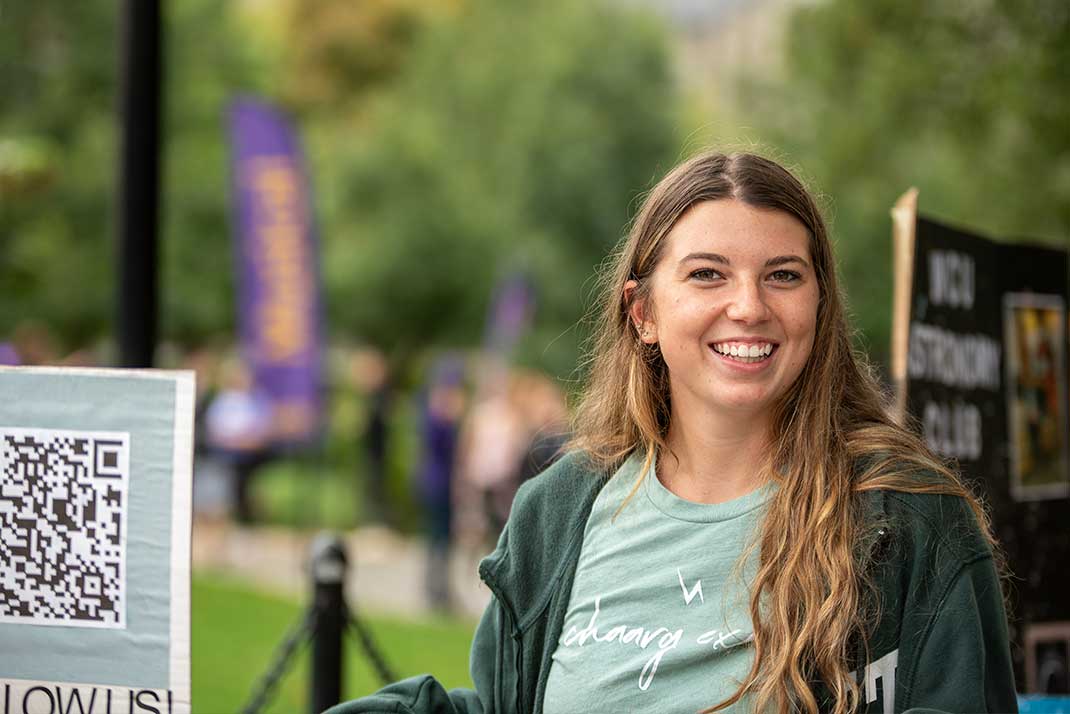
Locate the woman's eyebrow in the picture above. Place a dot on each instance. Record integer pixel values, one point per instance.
(783, 259)
(718, 258)
(713, 257)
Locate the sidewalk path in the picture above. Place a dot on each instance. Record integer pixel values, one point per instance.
(386, 570)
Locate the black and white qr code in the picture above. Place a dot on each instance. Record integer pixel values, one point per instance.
(63, 500)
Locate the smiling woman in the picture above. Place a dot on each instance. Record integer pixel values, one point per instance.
(731, 306)
(739, 510)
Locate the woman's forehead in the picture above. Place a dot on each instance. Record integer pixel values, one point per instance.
(733, 229)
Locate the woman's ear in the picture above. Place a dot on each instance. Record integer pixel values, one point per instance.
(640, 316)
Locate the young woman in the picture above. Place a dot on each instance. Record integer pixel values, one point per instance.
(740, 526)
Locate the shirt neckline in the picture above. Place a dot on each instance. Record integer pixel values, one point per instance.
(681, 509)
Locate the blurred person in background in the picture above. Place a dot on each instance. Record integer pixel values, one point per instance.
(441, 412)
(493, 442)
(741, 525)
(371, 373)
(545, 414)
(205, 362)
(239, 426)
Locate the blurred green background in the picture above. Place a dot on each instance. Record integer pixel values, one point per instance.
(522, 133)
(452, 142)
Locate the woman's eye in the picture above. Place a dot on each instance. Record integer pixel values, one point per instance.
(784, 276)
(705, 274)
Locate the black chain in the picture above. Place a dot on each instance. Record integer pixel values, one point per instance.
(364, 636)
(298, 634)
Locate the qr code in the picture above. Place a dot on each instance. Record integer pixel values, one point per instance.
(63, 497)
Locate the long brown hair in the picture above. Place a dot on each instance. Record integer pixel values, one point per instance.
(833, 437)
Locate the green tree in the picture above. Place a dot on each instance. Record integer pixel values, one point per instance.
(59, 141)
(970, 102)
(211, 57)
(518, 137)
(56, 122)
(339, 52)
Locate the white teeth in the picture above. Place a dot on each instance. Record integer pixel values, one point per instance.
(745, 353)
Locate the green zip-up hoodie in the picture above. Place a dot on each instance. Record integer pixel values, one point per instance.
(940, 642)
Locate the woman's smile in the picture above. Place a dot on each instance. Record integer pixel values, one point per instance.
(745, 352)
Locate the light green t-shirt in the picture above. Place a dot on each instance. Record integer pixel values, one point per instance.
(658, 619)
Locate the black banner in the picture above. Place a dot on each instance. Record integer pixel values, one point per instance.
(986, 384)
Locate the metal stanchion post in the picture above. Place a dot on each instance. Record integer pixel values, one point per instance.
(328, 598)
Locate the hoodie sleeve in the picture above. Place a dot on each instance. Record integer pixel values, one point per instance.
(423, 694)
(963, 661)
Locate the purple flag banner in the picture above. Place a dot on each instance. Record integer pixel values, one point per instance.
(510, 315)
(277, 264)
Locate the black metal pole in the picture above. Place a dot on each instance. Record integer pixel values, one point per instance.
(139, 182)
(328, 597)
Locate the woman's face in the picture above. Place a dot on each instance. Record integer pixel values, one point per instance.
(732, 306)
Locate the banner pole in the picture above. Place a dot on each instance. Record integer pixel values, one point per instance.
(904, 220)
(139, 183)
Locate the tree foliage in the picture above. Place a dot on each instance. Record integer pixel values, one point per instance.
(57, 72)
(968, 101)
(516, 139)
(338, 53)
(210, 59)
(59, 124)
(450, 143)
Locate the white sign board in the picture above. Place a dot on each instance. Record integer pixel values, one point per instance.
(95, 517)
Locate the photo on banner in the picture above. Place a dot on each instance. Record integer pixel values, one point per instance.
(1035, 365)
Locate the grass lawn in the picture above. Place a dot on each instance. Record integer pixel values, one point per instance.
(236, 630)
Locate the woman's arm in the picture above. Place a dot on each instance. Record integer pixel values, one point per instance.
(963, 661)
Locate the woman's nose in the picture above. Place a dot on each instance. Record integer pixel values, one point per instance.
(747, 304)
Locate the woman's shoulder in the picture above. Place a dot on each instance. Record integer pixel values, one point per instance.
(547, 517)
(574, 476)
(927, 522)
